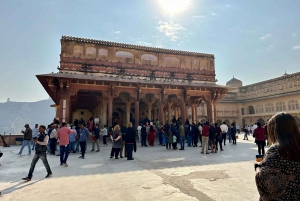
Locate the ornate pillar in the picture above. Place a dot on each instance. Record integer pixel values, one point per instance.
(127, 120)
(183, 117)
(161, 112)
(103, 121)
(193, 113)
(169, 112)
(149, 111)
(137, 113)
(176, 113)
(110, 108)
(64, 109)
(155, 113)
(196, 113)
(214, 119)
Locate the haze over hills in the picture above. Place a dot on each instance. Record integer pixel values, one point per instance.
(14, 115)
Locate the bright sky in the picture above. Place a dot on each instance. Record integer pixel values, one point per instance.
(252, 40)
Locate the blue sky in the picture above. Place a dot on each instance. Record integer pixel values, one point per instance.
(253, 40)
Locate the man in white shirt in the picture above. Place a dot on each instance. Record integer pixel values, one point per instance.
(139, 128)
(35, 133)
(200, 134)
(96, 120)
(224, 129)
(52, 138)
(104, 134)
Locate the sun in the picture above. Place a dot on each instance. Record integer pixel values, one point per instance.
(174, 6)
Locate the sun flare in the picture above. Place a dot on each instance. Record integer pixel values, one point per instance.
(174, 6)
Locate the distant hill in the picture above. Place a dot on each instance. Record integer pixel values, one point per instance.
(14, 115)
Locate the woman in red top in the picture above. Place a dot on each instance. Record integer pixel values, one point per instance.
(260, 138)
(151, 136)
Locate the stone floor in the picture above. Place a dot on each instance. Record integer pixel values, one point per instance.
(155, 174)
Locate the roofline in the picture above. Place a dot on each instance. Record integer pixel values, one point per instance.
(131, 46)
(98, 78)
(272, 80)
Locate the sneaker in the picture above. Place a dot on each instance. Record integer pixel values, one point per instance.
(98, 151)
(18, 154)
(65, 165)
(116, 158)
(62, 164)
(222, 149)
(48, 175)
(92, 150)
(26, 179)
(111, 157)
(202, 152)
(121, 157)
(80, 156)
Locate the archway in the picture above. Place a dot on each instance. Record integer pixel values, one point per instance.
(250, 110)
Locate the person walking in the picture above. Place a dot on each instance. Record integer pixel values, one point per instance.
(144, 135)
(233, 133)
(123, 147)
(116, 139)
(200, 134)
(260, 138)
(182, 136)
(246, 132)
(195, 134)
(212, 138)
(52, 133)
(229, 133)
(169, 137)
(72, 139)
(105, 135)
(278, 174)
(130, 141)
(174, 144)
(63, 137)
(139, 128)
(218, 138)
(27, 138)
(205, 137)
(83, 137)
(35, 133)
(224, 130)
(40, 153)
(151, 136)
(96, 138)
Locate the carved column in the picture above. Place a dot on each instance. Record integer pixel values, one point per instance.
(137, 113)
(64, 109)
(169, 112)
(196, 113)
(155, 113)
(214, 119)
(128, 104)
(149, 111)
(176, 112)
(183, 117)
(110, 108)
(104, 113)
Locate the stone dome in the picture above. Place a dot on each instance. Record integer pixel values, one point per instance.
(234, 83)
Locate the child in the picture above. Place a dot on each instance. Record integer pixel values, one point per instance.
(174, 144)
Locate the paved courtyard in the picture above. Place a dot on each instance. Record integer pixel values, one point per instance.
(155, 174)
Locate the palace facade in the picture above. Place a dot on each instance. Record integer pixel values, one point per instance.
(129, 82)
(260, 101)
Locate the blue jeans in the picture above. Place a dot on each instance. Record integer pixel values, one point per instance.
(72, 146)
(64, 153)
(182, 138)
(25, 142)
(229, 137)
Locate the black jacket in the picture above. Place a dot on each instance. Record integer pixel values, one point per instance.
(130, 135)
(143, 131)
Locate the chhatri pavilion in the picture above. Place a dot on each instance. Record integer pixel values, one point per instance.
(129, 82)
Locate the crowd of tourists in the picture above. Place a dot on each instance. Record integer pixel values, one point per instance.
(277, 175)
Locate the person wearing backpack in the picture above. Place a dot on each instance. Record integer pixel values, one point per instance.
(40, 153)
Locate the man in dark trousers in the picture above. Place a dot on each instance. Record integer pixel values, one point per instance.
(144, 135)
(40, 153)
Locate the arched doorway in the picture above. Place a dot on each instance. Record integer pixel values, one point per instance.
(250, 110)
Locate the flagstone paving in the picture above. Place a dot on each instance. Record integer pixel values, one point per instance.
(155, 174)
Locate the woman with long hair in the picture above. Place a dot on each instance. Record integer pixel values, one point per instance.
(151, 136)
(91, 124)
(130, 141)
(116, 139)
(278, 174)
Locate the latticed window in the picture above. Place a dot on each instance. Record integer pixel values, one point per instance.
(293, 105)
(280, 106)
(269, 107)
(259, 109)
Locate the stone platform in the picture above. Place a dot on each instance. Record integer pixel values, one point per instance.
(155, 174)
